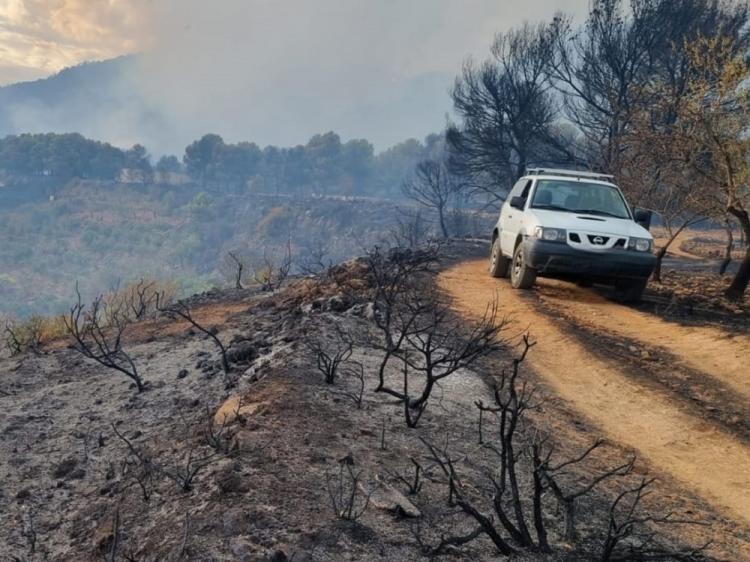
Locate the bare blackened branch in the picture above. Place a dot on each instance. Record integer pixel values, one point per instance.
(549, 476)
(313, 260)
(329, 356)
(391, 274)
(218, 437)
(112, 557)
(411, 229)
(141, 299)
(344, 490)
(185, 473)
(13, 340)
(182, 310)
(138, 465)
(240, 267)
(519, 519)
(355, 372)
(413, 485)
(412, 414)
(102, 342)
(631, 535)
(191, 464)
(459, 499)
(434, 186)
(272, 271)
(439, 344)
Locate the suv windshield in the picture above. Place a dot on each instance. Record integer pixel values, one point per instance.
(580, 197)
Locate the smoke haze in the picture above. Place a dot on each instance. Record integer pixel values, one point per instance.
(274, 72)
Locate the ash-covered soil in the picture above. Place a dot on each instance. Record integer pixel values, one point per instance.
(71, 486)
(691, 290)
(210, 466)
(696, 296)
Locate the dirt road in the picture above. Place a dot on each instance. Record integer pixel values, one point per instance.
(677, 395)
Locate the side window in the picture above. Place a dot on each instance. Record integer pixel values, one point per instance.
(521, 189)
(518, 189)
(526, 189)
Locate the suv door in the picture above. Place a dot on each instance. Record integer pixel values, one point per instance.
(511, 219)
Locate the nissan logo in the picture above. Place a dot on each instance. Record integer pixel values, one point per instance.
(598, 240)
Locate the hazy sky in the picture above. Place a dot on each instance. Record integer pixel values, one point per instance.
(353, 57)
(38, 37)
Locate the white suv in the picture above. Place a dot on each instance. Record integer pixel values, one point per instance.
(576, 225)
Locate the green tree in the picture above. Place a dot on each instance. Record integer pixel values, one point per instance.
(201, 156)
(323, 155)
(168, 164)
(201, 207)
(138, 160)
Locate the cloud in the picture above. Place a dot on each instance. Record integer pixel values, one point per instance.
(47, 35)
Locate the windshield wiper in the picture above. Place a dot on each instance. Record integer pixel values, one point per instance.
(597, 212)
(553, 208)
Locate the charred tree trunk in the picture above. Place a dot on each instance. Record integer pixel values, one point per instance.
(739, 284)
(441, 217)
(570, 519)
(659, 257)
(541, 530)
(426, 392)
(381, 376)
(737, 288)
(663, 251)
(728, 249)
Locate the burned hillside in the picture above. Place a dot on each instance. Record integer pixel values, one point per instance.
(293, 454)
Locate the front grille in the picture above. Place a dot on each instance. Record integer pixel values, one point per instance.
(574, 237)
(620, 243)
(598, 240)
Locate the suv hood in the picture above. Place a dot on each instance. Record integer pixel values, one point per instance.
(581, 222)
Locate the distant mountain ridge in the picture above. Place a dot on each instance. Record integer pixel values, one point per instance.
(69, 80)
(123, 102)
(98, 99)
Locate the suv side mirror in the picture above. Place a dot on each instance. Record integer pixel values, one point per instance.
(642, 217)
(518, 202)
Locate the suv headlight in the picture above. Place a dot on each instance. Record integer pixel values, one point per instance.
(640, 244)
(550, 234)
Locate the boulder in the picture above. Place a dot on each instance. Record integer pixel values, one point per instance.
(64, 468)
(386, 497)
(338, 303)
(242, 353)
(235, 522)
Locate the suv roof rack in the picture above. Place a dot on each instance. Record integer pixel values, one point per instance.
(567, 173)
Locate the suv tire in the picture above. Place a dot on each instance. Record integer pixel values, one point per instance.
(499, 264)
(630, 290)
(521, 275)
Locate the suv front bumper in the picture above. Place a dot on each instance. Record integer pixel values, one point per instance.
(555, 258)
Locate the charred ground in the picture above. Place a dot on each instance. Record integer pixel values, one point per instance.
(242, 466)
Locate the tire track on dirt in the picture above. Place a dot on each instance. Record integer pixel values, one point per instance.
(708, 461)
(717, 353)
(658, 369)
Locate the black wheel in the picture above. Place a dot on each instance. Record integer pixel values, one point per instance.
(499, 264)
(521, 275)
(630, 290)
